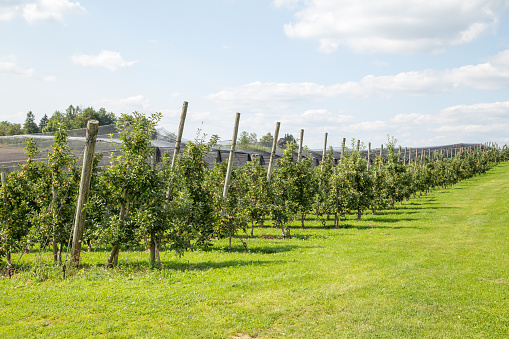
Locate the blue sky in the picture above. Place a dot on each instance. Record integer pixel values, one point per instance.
(427, 72)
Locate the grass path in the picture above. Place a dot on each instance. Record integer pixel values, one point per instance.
(436, 267)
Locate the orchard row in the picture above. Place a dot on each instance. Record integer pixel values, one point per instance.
(182, 206)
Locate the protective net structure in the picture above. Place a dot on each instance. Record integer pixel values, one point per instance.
(12, 152)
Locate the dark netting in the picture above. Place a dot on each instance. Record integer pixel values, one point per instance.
(12, 151)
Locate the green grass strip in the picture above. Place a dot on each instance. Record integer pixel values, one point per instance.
(435, 267)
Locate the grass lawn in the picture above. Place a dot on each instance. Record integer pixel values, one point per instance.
(436, 267)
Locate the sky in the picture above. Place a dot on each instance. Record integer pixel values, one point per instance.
(428, 73)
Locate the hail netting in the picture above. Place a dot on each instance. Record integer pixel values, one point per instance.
(12, 150)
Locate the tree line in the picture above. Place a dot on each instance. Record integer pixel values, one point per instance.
(178, 204)
(73, 118)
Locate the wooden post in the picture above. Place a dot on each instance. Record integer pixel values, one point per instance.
(369, 152)
(230, 158)
(404, 157)
(343, 149)
(409, 155)
(299, 155)
(381, 156)
(324, 152)
(176, 151)
(86, 174)
(273, 152)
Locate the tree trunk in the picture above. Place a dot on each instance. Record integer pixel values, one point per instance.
(55, 248)
(60, 247)
(8, 258)
(158, 256)
(113, 258)
(282, 229)
(230, 243)
(336, 220)
(89, 246)
(303, 218)
(152, 250)
(359, 214)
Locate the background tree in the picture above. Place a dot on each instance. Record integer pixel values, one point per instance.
(7, 128)
(44, 122)
(244, 138)
(266, 140)
(30, 126)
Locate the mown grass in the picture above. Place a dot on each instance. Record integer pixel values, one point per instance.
(436, 267)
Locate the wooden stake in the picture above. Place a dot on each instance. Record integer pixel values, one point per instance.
(273, 152)
(176, 151)
(324, 152)
(232, 154)
(369, 152)
(86, 174)
(299, 155)
(343, 149)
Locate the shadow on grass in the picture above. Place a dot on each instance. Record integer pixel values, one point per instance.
(44, 272)
(257, 249)
(198, 267)
(368, 227)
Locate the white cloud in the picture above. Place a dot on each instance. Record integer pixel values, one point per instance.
(126, 105)
(380, 63)
(286, 3)
(107, 59)
(9, 65)
(492, 74)
(393, 26)
(8, 11)
(477, 123)
(40, 10)
(317, 117)
(50, 78)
